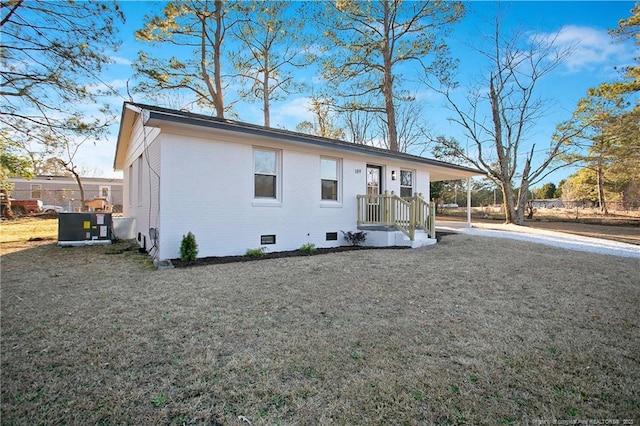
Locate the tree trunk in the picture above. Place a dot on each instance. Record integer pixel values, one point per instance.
(512, 214)
(217, 70)
(523, 191)
(265, 93)
(76, 176)
(8, 212)
(391, 122)
(521, 206)
(508, 202)
(387, 85)
(215, 89)
(267, 121)
(514, 207)
(601, 197)
(518, 218)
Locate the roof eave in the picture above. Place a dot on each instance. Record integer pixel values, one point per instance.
(157, 116)
(154, 115)
(127, 119)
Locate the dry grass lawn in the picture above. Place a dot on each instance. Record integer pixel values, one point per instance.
(469, 331)
(26, 232)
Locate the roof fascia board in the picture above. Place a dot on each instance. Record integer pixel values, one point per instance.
(155, 117)
(127, 118)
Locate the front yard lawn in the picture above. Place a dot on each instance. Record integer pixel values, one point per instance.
(469, 331)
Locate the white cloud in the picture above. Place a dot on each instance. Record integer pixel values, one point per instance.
(121, 60)
(591, 48)
(117, 84)
(291, 112)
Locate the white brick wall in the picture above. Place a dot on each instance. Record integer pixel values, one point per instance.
(146, 143)
(206, 187)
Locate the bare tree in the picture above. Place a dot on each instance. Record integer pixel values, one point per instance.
(497, 117)
(323, 112)
(359, 125)
(411, 128)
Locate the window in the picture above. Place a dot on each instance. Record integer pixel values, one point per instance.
(105, 192)
(265, 169)
(406, 183)
(329, 178)
(36, 190)
(332, 236)
(130, 187)
(267, 239)
(139, 165)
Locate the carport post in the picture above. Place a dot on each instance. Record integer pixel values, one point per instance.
(468, 202)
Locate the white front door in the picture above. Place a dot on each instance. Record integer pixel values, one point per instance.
(374, 189)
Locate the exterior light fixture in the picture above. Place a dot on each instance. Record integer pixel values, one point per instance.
(393, 175)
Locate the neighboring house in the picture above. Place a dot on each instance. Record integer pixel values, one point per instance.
(63, 191)
(551, 203)
(239, 186)
(556, 203)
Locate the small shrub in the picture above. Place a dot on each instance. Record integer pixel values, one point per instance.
(355, 238)
(308, 248)
(188, 248)
(256, 252)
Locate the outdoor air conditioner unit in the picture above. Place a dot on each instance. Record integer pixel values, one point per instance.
(76, 229)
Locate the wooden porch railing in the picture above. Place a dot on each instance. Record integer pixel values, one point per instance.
(405, 214)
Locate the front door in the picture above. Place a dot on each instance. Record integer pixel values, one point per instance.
(374, 189)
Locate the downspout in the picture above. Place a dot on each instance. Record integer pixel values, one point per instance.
(468, 202)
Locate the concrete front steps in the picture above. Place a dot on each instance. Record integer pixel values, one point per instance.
(387, 237)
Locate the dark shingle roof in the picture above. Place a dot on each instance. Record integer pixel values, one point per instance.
(151, 112)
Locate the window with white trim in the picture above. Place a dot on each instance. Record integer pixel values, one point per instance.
(265, 173)
(140, 178)
(130, 186)
(36, 190)
(105, 192)
(329, 177)
(406, 183)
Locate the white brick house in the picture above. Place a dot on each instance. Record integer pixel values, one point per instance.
(238, 186)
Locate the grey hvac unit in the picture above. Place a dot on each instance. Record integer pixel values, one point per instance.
(84, 228)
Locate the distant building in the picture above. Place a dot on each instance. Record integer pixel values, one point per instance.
(551, 203)
(63, 191)
(557, 203)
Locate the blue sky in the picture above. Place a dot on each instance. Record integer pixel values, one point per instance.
(573, 22)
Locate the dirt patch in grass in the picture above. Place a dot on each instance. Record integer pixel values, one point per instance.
(470, 331)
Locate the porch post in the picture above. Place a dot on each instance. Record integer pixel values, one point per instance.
(432, 219)
(468, 202)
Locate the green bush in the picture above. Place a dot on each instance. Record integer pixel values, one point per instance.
(188, 248)
(256, 252)
(308, 248)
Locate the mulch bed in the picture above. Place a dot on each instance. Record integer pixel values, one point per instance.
(219, 260)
